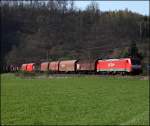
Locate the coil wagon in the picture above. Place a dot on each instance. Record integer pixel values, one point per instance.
(86, 66)
(67, 66)
(44, 67)
(31, 67)
(24, 67)
(53, 67)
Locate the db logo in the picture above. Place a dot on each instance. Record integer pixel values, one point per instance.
(111, 64)
(63, 65)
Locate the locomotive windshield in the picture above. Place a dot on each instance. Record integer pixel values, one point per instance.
(135, 62)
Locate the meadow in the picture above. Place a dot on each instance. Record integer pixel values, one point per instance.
(74, 101)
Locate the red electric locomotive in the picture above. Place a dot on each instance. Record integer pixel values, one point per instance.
(123, 65)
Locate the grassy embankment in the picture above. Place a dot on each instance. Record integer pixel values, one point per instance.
(74, 100)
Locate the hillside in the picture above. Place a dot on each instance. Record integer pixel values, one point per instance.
(32, 33)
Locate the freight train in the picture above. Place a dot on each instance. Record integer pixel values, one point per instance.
(98, 66)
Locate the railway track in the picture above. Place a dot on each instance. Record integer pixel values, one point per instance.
(62, 75)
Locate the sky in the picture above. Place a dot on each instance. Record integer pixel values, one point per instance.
(141, 7)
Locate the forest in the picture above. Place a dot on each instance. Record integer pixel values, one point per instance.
(36, 31)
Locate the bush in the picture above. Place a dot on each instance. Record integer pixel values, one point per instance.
(145, 69)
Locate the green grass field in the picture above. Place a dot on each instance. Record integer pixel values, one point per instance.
(74, 100)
